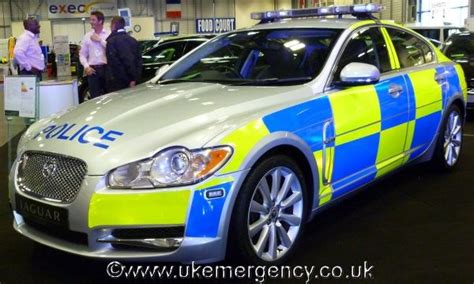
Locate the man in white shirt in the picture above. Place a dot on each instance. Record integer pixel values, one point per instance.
(27, 51)
(92, 54)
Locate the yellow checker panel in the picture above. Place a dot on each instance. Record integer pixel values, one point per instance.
(409, 139)
(243, 140)
(389, 165)
(427, 92)
(391, 143)
(325, 191)
(160, 208)
(214, 182)
(355, 109)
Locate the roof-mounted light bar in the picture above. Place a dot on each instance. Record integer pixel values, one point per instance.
(360, 9)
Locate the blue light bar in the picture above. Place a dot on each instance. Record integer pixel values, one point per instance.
(318, 12)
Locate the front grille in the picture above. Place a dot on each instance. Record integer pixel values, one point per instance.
(60, 233)
(149, 233)
(50, 176)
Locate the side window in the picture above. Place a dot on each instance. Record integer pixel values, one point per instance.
(366, 46)
(411, 50)
(167, 52)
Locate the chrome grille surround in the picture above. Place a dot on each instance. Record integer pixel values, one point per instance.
(50, 177)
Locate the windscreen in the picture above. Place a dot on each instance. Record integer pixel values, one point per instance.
(283, 56)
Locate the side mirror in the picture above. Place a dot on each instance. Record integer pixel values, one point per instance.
(357, 73)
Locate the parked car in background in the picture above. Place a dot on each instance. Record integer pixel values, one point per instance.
(148, 44)
(436, 34)
(161, 52)
(460, 49)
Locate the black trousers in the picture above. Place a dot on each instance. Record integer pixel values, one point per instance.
(97, 81)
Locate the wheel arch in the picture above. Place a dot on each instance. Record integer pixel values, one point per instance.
(281, 142)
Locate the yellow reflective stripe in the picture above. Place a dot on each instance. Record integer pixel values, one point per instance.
(428, 94)
(462, 81)
(325, 191)
(243, 140)
(214, 182)
(391, 141)
(429, 109)
(409, 139)
(356, 113)
(151, 208)
(394, 63)
(361, 23)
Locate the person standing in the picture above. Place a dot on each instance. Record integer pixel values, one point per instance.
(92, 54)
(27, 52)
(123, 56)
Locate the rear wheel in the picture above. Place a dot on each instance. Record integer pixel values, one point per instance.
(269, 213)
(449, 144)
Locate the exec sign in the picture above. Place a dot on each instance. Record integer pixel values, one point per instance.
(60, 9)
(215, 25)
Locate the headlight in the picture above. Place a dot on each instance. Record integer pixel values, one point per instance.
(171, 167)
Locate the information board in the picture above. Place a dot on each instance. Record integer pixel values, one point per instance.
(21, 96)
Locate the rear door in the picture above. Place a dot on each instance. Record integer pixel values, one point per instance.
(427, 85)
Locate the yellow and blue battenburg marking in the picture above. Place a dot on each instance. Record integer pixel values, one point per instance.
(372, 130)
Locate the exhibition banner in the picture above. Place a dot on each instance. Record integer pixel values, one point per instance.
(65, 9)
(214, 25)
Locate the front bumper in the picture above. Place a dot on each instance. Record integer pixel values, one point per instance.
(98, 212)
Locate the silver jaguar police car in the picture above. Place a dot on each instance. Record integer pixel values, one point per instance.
(237, 145)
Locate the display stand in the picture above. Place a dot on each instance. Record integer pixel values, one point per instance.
(21, 101)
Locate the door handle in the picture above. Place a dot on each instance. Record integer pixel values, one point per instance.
(326, 140)
(395, 90)
(440, 77)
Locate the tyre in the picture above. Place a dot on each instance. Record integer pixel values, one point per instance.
(449, 143)
(269, 213)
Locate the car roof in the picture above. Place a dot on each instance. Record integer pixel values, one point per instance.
(334, 23)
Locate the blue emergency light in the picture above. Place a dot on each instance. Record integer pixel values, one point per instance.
(360, 9)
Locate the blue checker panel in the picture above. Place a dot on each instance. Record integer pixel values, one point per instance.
(354, 182)
(425, 130)
(205, 214)
(453, 82)
(394, 111)
(444, 87)
(305, 120)
(355, 157)
(411, 98)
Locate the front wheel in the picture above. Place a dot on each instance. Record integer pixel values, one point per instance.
(269, 213)
(449, 144)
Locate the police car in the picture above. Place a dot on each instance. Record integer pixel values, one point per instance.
(236, 146)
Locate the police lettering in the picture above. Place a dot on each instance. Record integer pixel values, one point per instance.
(95, 135)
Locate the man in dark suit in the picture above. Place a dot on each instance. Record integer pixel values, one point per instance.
(124, 61)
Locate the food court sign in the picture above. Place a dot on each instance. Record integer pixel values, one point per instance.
(61, 9)
(215, 25)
